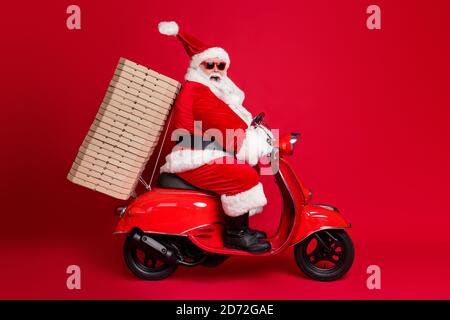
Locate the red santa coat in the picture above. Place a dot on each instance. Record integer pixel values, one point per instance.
(197, 103)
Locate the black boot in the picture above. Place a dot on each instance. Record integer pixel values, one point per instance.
(236, 235)
(257, 233)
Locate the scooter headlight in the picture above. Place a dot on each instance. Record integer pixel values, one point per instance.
(287, 143)
(293, 140)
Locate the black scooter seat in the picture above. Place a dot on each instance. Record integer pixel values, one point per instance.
(172, 181)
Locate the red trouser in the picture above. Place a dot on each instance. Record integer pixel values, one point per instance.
(236, 182)
(223, 176)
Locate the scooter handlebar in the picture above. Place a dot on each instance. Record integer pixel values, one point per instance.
(259, 118)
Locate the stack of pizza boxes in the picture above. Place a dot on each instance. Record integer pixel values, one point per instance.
(125, 131)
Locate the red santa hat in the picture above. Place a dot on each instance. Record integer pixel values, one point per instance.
(196, 49)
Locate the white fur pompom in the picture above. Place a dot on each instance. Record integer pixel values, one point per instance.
(169, 28)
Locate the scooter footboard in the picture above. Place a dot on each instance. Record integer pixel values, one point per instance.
(316, 217)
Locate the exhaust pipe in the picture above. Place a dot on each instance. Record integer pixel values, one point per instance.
(146, 242)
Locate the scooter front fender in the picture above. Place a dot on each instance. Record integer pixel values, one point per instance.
(316, 217)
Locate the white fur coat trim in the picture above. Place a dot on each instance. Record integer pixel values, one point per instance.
(227, 91)
(187, 159)
(251, 201)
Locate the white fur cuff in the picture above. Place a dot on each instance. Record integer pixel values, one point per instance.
(247, 201)
(254, 146)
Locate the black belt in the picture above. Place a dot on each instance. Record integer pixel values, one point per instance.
(197, 143)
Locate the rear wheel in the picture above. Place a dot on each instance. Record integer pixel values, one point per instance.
(325, 255)
(146, 264)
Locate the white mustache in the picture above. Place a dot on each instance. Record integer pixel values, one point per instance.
(215, 74)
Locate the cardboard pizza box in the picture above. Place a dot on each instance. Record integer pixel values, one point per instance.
(125, 130)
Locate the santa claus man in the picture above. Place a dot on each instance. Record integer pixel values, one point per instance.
(217, 146)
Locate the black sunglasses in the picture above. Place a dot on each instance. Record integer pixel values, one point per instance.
(210, 65)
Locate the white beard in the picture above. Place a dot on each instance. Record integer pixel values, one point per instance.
(225, 90)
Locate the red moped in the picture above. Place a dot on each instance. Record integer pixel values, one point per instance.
(177, 224)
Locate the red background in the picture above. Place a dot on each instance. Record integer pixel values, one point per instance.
(372, 107)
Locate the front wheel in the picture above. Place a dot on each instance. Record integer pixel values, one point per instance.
(325, 255)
